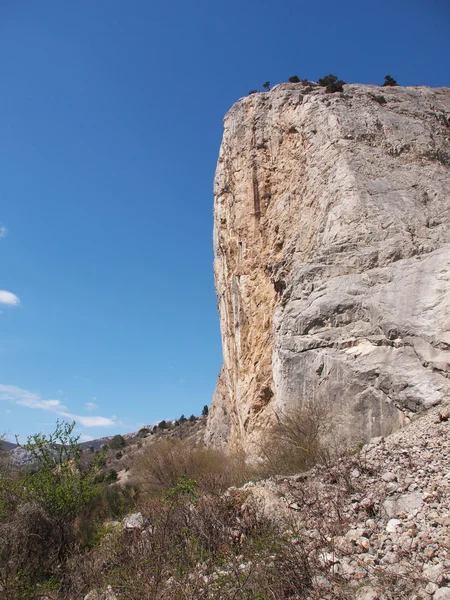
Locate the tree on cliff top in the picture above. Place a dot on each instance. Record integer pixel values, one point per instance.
(389, 81)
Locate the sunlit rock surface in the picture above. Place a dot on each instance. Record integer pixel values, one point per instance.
(332, 258)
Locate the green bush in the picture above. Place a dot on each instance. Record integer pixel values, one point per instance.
(39, 507)
(117, 442)
(56, 482)
(332, 84)
(389, 82)
(294, 79)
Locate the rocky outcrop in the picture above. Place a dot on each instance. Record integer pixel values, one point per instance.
(332, 256)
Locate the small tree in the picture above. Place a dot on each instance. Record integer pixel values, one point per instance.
(205, 411)
(192, 419)
(57, 483)
(182, 419)
(266, 85)
(163, 424)
(294, 79)
(389, 81)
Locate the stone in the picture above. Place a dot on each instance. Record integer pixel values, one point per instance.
(393, 525)
(332, 259)
(134, 521)
(367, 593)
(442, 594)
(108, 594)
(434, 573)
(405, 503)
(431, 588)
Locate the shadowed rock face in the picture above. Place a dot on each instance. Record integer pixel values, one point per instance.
(332, 256)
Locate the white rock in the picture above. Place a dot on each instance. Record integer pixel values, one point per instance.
(435, 573)
(134, 521)
(393, 525)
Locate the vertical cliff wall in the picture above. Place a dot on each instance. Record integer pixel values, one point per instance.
(332, 256)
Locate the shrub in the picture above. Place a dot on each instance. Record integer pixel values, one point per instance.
(56, 482)
(182, 419)
(389, 81)
(295, 442)
(332, 84)
(266, 85)
(380, 99)
(252, 92)
(163, 425)
(327, 80)
(294, 79)
(117, 442)
(39, 507)
(161, 465)
(205, 411)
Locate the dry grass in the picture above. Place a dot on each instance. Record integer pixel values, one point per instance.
(160, 466)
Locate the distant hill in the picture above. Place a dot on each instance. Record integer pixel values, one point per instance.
(7, 446)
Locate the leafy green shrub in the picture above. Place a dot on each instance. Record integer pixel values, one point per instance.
(56, 482)
(294, 79)
(252, 92)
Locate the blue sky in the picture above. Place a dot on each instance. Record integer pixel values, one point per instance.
(111, 119)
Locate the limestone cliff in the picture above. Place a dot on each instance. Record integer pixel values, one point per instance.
(332, 256)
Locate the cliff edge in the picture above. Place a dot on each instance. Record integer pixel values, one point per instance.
(332, 256)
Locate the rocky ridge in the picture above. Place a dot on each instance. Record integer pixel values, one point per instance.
(332, 255)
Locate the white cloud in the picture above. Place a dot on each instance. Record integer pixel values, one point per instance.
(3, 231)
(23, 397)
(90, 406)
(8, 298)
(90, 421)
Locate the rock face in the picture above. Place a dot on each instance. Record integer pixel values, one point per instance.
(332, 258)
